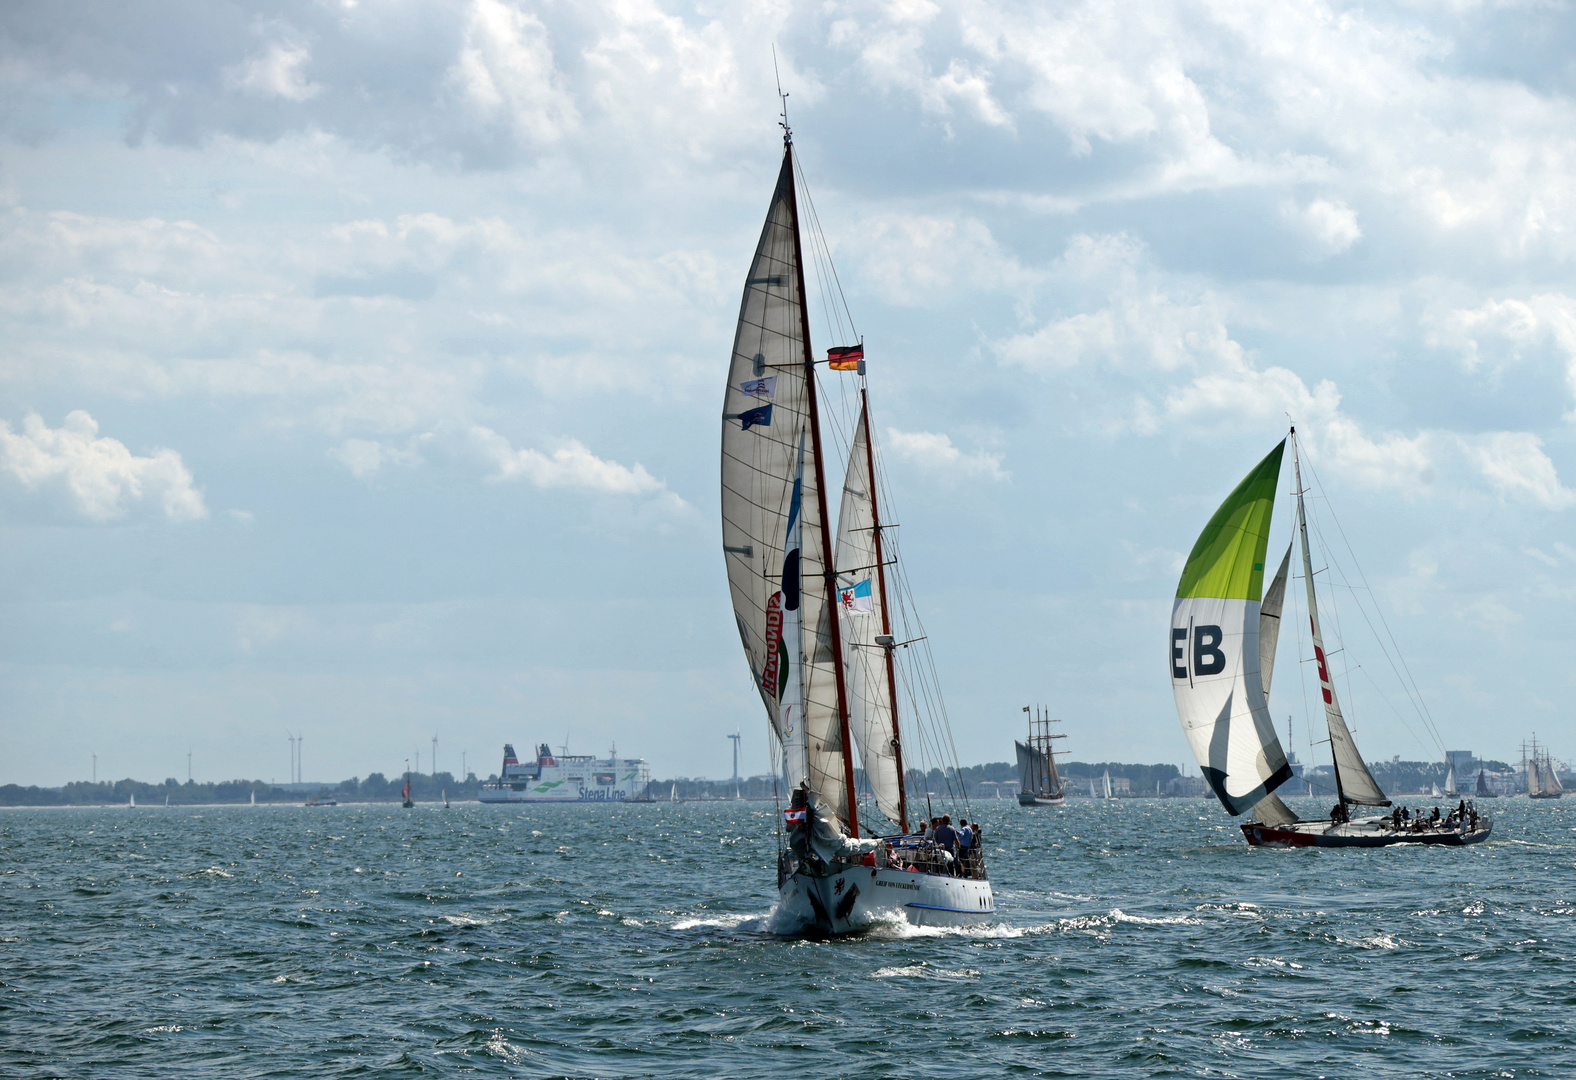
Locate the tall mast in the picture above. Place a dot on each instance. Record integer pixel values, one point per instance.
(886, 616)
(1307, 575)
(828, 561)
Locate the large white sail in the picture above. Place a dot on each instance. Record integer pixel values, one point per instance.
(1214, 647)
(862, 606)
(1352, 778)
(766, 412)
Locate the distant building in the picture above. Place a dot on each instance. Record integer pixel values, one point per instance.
(1460, 759)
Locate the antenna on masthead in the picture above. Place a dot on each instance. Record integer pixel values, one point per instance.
(783, 123)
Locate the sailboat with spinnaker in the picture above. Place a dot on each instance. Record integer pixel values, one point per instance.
(817, 624)
(1224, 629)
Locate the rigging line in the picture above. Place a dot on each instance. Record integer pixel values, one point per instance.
(820, 251)
(1340, 569)
(815, 219)
(1419, 702)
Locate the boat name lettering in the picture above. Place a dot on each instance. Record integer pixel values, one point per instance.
(898, 884)
(603, 794)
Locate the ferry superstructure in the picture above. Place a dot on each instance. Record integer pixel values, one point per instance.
(566, 778)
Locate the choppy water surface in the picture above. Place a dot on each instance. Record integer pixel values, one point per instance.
(1137, 939)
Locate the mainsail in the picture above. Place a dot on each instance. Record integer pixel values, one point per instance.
(1352, 779)
(770, 453)
(1215, 626)
(862, 603)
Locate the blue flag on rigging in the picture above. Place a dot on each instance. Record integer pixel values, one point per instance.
(761, 417)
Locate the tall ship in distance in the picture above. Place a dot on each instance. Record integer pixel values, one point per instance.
(1039, 784)
(1543, 779)
(566, 778)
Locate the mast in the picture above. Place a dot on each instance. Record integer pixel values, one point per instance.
(1353, 782)
(1313, 618)
(886, 616)
(829, 564)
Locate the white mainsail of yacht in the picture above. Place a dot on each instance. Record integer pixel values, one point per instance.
(1224, 629)
(815, 624)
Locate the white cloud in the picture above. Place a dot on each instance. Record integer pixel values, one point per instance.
(275, 72)
(913, 259)
(1329, 225)
(1514, 462)
(570, 466)
(1498, 333)
(506, 69)
(365, 458)
(935, 453)
(101, 479)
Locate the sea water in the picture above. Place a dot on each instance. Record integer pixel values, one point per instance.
(1134, 938)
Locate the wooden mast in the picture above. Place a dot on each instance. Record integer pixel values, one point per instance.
(828, 562)
(886, 616)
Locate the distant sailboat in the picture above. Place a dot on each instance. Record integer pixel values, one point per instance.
(254, 798)
(1483, 791)
(1543, 780)
(673, 796)
(1223, 637)
(407, 804)
(132, 802)
(1450, 779)
(1105, 785)
(445, 798)
(1038, 782)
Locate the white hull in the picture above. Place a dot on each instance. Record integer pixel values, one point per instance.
(860, 897)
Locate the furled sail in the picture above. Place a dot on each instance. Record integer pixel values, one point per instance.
(861, 602)
(1352, 778)
(765, 414)
(1215, 647)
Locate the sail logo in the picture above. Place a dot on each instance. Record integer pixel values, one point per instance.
(774, 645)
(1324, 671)
(761, 388)
(1208, 658)
(857, 598)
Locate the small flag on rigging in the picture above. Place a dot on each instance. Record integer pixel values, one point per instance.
(794, 817)
(845, 357)
(856, 598)
(761, 417)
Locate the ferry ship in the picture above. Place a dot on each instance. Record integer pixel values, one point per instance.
(566, 778)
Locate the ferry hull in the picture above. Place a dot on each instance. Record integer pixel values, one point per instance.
(860, 897)
(1366, 832)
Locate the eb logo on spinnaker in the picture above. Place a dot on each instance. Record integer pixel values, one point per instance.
(1206, 655)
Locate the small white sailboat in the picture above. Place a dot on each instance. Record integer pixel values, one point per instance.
(1105, 785)
(816, 626)
(1450, 779)
(673, 795)
(131, 803)
(254, 798)
(1223, 638)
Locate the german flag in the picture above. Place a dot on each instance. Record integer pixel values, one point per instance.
(845, 357)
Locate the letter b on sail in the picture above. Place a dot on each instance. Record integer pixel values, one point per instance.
(1207, 657)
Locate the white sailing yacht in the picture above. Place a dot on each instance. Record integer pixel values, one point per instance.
(816, 625)
(1223, 637)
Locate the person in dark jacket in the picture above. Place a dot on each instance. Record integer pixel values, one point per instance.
(946, 836)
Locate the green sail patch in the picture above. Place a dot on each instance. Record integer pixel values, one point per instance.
(1228, 560)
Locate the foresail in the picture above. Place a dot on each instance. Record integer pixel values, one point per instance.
(1028, 771)
(1356, 783)
(1270, 622)
(765, 413)
(859, 602)
(1214, 647)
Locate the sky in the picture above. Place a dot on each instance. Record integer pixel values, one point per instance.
(361, 360)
